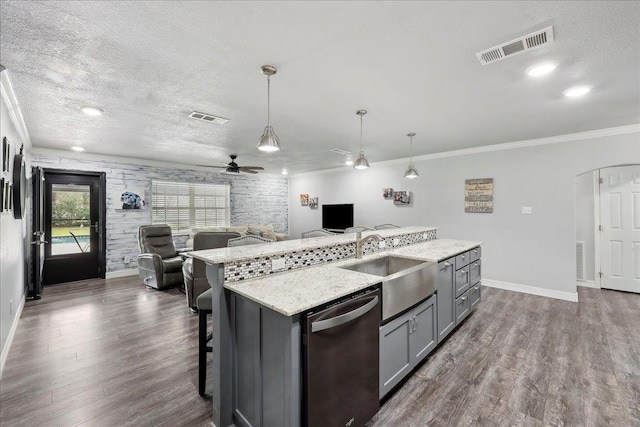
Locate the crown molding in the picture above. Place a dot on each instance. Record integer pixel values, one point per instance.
(620, 130)
(13, 107)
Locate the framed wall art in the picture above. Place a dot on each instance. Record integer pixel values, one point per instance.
(478, 195)
(2, 195)
(313, 203)
(6, 153)
(304, 199)
(401, 198)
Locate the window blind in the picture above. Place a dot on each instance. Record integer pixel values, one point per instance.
(184, 205)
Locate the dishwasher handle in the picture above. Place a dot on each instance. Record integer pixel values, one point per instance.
(322, 325)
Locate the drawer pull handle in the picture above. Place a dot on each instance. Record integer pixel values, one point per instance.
(475, 251)
(463, 298)
(462, 256)
(475, 264)
(462, 272)
(475, 288)
(447, 264)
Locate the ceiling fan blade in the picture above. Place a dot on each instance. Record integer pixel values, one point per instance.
(260, 168)
(247, 170)
(211, 166)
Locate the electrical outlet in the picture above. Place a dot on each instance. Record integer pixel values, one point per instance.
(526, 210)
(396, 242)
(277, 264)
(382, 244)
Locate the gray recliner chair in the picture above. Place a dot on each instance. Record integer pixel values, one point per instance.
(159, 265)
(195, 270)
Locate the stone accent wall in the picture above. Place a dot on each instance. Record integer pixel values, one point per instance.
(261, 266)
(256, 199)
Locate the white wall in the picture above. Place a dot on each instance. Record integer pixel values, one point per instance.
(13, 236)
(585, 219)
(535, 250)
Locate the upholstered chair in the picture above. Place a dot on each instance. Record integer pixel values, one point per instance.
(159, 265)
(195, 270)
(317, 233)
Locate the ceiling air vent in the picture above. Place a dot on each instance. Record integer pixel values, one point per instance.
(519, 45)
(339, 151)
(208, 118)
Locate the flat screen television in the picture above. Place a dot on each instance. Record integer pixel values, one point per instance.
(337, 217)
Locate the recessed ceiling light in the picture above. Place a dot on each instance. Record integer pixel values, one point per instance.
(91, 111)
(77, 148)
(285, 172)
(541, 69)
(349, 162)
(576, 91)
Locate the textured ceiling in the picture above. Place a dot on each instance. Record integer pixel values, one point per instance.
(148, 64)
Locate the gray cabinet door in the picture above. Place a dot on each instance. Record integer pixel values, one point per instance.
(462, 307)
(462, 281)
(474, 272)
(395, 352)
(424, 334)
(446, 298)
(474, 296)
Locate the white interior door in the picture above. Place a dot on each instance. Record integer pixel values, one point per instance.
(620, 223)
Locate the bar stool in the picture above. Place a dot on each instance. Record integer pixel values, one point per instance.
(204, 304)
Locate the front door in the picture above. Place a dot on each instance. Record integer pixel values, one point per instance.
(620, 228)
(74, 210)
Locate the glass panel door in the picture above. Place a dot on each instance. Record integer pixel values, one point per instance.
(70, 219)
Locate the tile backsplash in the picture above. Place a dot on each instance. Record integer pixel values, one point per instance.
(251, 268)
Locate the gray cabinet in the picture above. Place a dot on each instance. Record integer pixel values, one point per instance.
(467, 280)
(405, 341)
(446, 298)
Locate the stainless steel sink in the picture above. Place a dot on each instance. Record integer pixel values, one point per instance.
(405, 282)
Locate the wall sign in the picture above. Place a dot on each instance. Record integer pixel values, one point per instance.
(478, 195)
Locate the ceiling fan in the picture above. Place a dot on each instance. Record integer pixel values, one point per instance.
(234, 168)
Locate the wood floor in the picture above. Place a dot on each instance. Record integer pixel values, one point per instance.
(522, 360)
(114, 353)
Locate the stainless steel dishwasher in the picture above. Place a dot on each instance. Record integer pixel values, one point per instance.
(341, 362)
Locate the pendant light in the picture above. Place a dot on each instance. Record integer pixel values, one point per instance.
(268, 141)
(411, 171)
(361, 162)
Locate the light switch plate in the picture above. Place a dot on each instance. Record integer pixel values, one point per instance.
(277, 264)
(526, 210)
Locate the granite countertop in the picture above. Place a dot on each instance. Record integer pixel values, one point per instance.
(292, 292)
(239, 253)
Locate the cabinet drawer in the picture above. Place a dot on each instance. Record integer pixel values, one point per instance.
(475, 254)
(462, 308)
(474, 295)
(462, 260)
(462, 281)
(474, 272)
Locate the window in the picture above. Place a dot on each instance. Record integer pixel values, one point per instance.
(184, 206)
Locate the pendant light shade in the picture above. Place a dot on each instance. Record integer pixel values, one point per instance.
(411, 171)
(361, 162)
(268, 141)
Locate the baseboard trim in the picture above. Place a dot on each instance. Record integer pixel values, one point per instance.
(549, 293)
(121, 273)
(588, 284)
(12, 332)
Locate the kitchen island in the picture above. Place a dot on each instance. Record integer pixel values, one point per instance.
(256, 313)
